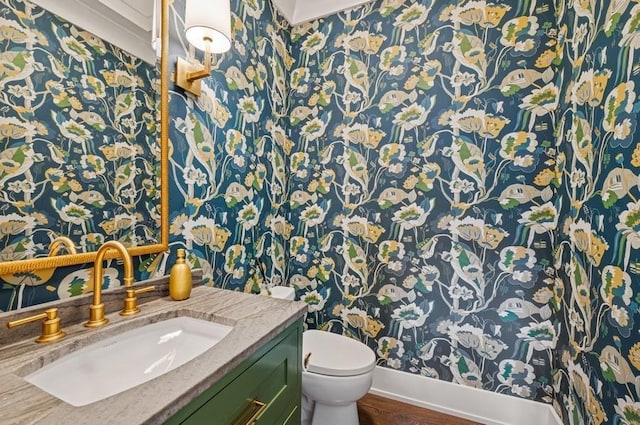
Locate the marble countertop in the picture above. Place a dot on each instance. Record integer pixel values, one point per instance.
(255, 320)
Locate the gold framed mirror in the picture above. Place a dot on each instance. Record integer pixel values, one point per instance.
(49, 262)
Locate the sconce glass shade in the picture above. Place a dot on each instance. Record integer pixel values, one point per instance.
(208, 19)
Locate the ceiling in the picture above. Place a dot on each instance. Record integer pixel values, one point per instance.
(128, 23)
(300, 11)
(125, 23)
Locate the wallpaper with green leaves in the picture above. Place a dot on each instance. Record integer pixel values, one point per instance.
(464, 194)
(79, 136)
(597, 257)
(453, 183)
(230, 152)
(395, 164)
(421, 187)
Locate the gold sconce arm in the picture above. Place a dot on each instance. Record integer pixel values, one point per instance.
(206, 70)
(50, 326)
(131, 300)
(188, 75)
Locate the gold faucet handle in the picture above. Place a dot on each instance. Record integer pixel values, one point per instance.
(50, 326)
(131, 300)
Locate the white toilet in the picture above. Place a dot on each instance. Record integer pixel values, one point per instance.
(337, 372)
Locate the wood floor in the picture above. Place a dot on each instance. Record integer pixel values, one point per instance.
(376, 410)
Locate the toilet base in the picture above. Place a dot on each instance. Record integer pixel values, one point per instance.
(307, 410)
(346, 414)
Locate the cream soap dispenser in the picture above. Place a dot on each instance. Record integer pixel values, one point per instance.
(180, 278)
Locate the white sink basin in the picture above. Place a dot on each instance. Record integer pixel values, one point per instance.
(123, 361)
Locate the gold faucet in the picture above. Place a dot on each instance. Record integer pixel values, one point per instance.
(54, 246)
(50, 326)
(96, 310)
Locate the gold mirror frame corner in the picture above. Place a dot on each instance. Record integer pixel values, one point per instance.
(12, 267)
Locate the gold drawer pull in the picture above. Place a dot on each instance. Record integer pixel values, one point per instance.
(250, 414)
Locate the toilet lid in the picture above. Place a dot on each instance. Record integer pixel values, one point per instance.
(336, 355)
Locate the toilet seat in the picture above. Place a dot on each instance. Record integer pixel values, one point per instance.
(336, 355)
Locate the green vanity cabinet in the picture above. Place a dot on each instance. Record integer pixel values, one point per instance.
(272, 376)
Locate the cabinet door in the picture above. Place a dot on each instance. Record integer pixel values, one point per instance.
(281, 384)
(272, 379)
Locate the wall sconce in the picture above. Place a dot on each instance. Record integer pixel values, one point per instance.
(207, 26)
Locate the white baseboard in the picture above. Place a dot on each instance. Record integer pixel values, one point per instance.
(474, 404)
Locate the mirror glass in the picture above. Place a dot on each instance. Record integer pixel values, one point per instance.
(80, 154)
